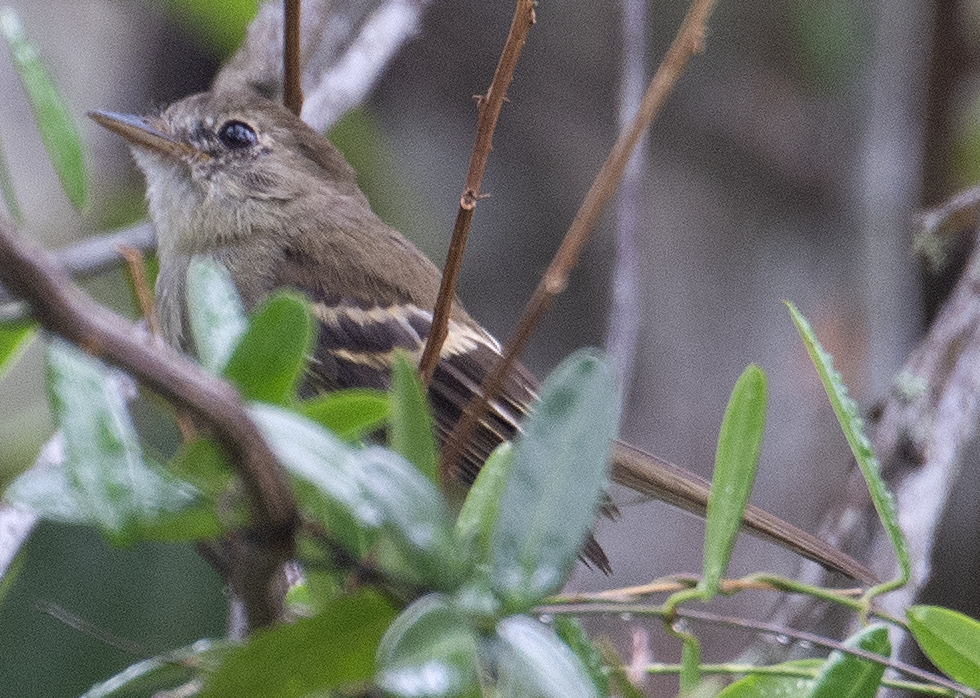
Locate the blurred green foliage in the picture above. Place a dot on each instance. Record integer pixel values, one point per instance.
(217, 24)
(832, 41)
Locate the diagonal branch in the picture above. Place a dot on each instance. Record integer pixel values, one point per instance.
(489, 106)
(62, 308)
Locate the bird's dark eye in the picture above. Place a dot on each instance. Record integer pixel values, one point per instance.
(237, 135)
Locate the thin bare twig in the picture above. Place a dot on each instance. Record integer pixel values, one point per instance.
(144, 294)
(761, 627)
(688, 42)
(489, 106)
(61, 307)
(292, 72)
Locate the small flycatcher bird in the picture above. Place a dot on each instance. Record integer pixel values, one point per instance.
(243, 181)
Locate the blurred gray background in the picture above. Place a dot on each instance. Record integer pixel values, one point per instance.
(787, 165)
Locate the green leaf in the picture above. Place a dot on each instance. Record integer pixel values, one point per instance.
(58, 132)
(555, 483)
(7, 191)
(572, 633)
(772, 686)
(845, 676)
(325, 470)
(414, 517)
(736, 459)
(853, 428)
(533, 661)
(104, 480)
(350, 414)
(429, 651)
(411, 432)
(170, 670)
(14, 340)
(215, 311)
(333, 649)
(950, 639)
(268, 362)
(375, 488)
(476, 519)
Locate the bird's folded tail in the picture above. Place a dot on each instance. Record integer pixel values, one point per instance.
(657, 478)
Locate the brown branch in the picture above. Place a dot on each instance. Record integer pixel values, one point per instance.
(144, 294)
(292, 71)
(489, 106)
(62, 308)
(689, 41)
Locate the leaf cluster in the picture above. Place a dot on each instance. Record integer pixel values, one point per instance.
(396, 590)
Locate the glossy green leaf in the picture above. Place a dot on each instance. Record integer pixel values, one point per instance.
(411, 431)
(533, 661)
(556, 480)
(429, 652)
(325, 471)
(845, 676)
(476, 519)
(773, 686)
(7, 191)
(104, 480)
(269, 360)
(333, 649)
(414, 517)
(14, 340)
(950, 639)
(57, 129)
(853, 428)
(215, 312)
(736, 459)
(169, 670)
(350, 414)
(374, 487)
(572, 633)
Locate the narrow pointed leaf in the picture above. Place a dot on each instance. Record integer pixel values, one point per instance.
(269, 359)
(853, 428)
(479, 513)
(216, 314)
(555, 482)
(950, 639)
(845, 676)
(411, 431)
(57, 129)
(736, 459)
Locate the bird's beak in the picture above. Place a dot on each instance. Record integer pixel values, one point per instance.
(141, 133)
